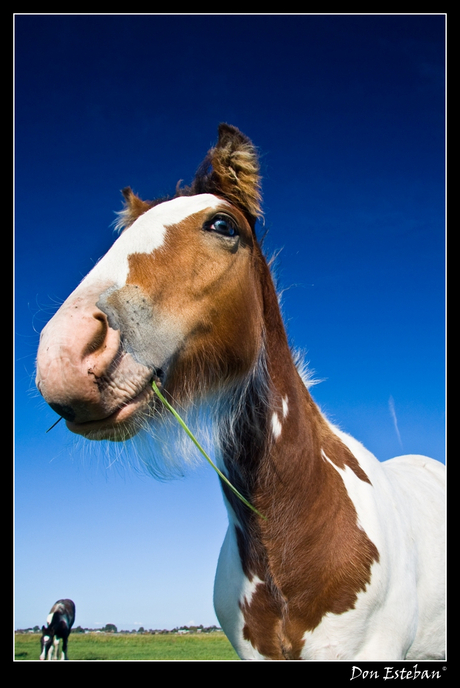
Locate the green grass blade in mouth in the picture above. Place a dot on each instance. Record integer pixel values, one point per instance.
(200, 448)
(54, 424)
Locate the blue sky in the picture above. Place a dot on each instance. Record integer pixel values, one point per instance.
(348, 114)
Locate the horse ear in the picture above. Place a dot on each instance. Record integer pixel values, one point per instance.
(134, 208)
(231, 170)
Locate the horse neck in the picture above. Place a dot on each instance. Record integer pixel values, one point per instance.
(283, 456)
(274, 420)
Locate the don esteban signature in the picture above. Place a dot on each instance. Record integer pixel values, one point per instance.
(390, 672)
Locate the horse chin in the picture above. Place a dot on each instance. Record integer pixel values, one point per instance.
(123, 423)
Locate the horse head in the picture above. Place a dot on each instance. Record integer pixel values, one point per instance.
(177, 299)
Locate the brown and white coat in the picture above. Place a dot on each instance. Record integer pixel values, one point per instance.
(349, 561)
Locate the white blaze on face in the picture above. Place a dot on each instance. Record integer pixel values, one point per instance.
(146, 235)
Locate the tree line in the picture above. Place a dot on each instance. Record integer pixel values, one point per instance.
(111, 628)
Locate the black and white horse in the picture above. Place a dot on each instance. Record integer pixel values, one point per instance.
(58, 625)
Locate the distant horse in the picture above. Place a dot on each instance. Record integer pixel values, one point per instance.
(348, 562)
(58, 625)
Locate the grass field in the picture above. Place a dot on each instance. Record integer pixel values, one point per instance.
(108, 646)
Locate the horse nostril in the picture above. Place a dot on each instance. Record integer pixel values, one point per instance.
(65, 412)
(97, 334)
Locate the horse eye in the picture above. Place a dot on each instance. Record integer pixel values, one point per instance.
(223, 225)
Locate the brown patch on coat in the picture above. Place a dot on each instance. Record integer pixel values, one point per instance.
(269, 632)
(341, 456)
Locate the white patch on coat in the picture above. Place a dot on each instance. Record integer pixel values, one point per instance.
(276, 426)
(285, 407)
(360, 493)
(232, 588)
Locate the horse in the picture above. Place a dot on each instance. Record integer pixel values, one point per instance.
(343, 558)
(58, 626)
